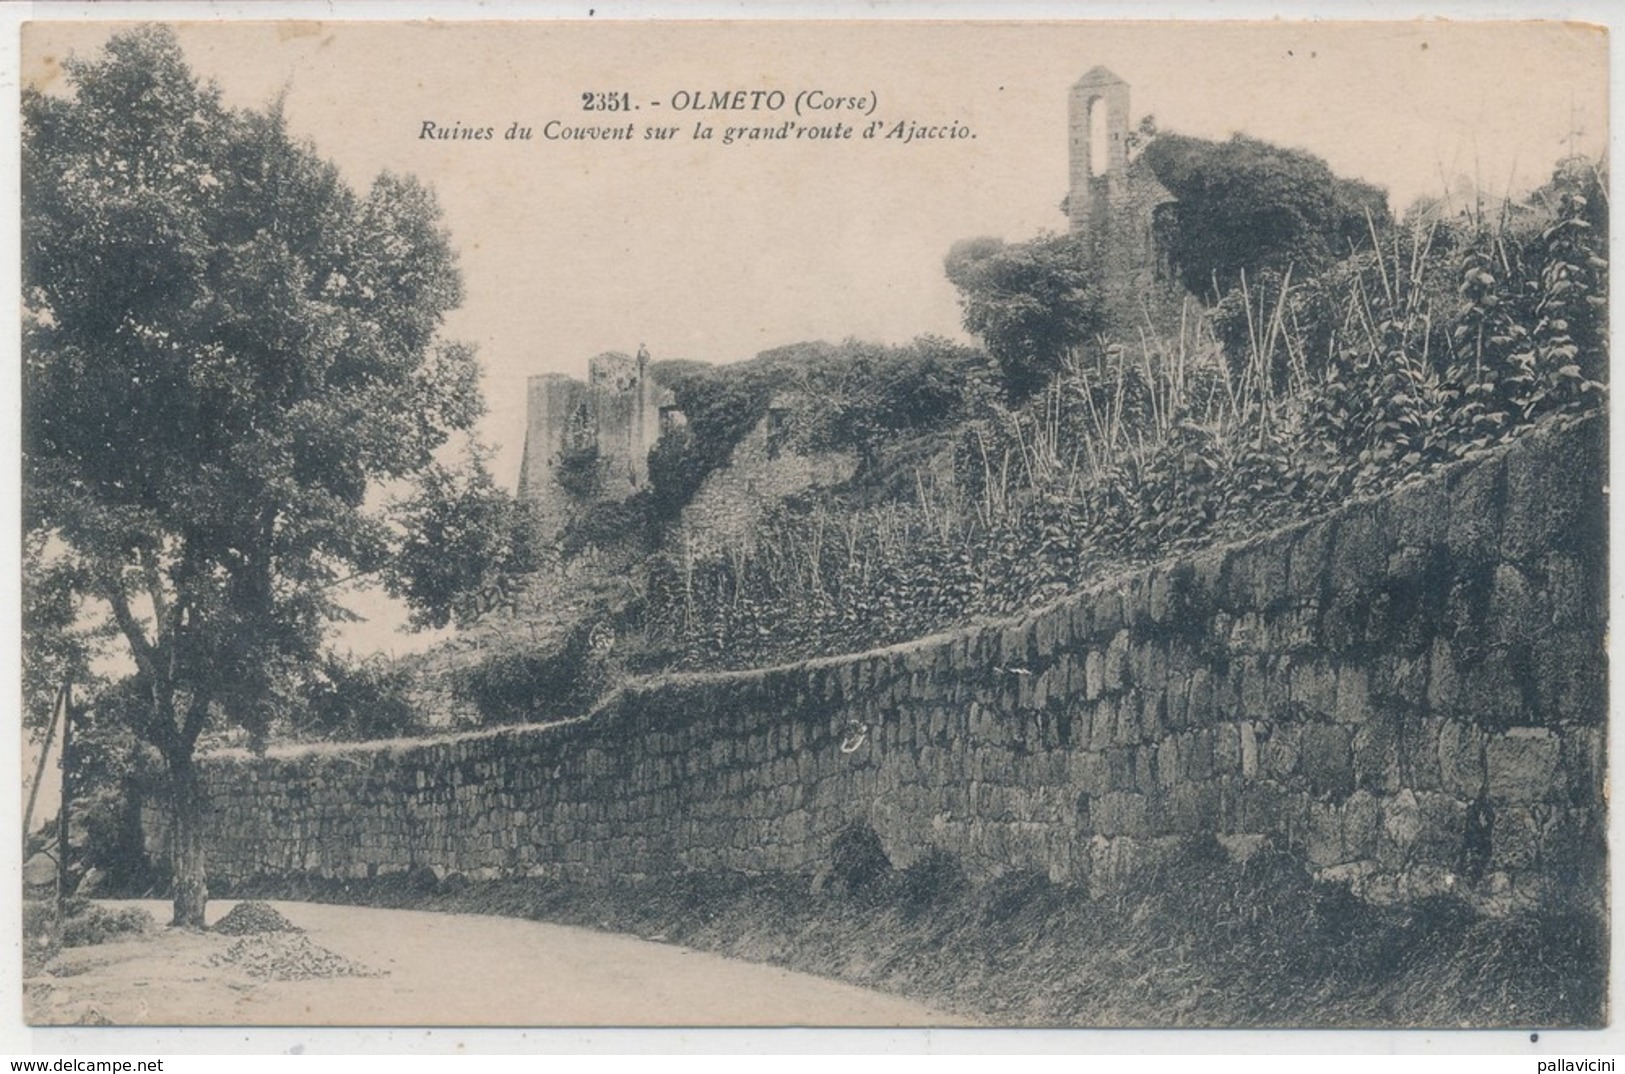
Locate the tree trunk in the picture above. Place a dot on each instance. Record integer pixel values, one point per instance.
(186, 840)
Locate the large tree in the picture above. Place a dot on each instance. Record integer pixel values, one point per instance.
(226, 351)
(1031, 303)
(1245, 205)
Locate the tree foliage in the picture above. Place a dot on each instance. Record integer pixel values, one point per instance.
(61, 645)
(1030, 303)
(350, 699)
(465, 544)
(1245, 205)
(225, 351)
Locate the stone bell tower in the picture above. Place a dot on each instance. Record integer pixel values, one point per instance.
(1097, 122)
(1112, 203)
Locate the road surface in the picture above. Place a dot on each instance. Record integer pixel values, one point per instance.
(441, 969)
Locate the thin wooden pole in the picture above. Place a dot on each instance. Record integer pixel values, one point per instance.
(45, 753)
(62, 818)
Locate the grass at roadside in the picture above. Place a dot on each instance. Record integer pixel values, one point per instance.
(1198, 941)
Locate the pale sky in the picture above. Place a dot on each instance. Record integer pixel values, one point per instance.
(713, 252)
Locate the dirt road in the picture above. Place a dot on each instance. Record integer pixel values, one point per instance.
(440, 969)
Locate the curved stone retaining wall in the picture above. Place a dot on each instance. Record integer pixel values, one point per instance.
(1410, 693)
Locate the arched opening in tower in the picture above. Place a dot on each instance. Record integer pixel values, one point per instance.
(1099, 138)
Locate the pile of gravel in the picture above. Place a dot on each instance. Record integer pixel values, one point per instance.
(253, 918)
(287, 956)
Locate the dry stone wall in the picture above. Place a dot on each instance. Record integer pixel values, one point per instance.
(1410, 694)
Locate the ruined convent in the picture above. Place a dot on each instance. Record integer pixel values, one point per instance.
(1114, 203)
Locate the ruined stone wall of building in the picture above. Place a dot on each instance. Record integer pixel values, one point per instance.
(770, 464)
(553, 406)
(1112, 209)
(1408, 694)
(615, 385)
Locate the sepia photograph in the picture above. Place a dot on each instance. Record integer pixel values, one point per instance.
(896, 523)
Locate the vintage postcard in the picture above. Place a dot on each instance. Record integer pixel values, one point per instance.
(815, 523)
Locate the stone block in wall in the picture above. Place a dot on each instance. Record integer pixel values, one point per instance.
(1136, 594)
(1570, 596)
(1160, 599)
(1323, 836)
(1126, 727)
(1360, 547)
(1514, 839)
(1248, 632)
(1088, 772)
(1522, 765)
(1362, 826)
(1209, 699)
(1327, 760)
(1419, 513)
(1153, 714)
(1399, 681)
(1584, 760)
(1148, 664)
(1475, 495)
(1511, 607)
(1247, 736)
(1279, 748)
(1145, 766)
(1443, 834)
(1376, 749)
(1114, 668)
(1343, 625)
(1165, 760)
(1176, 701)
(1052, 632)
(1016, 645)
(1461, 758)
(1192, 808)
(1102, 724)
(1495, 691)
(1256, 576)
(1352, 703)
(1396, 621)
(1309, 561)
(1296, 629)
(1249, 679)
(1313, 686)
(1444, 679)
(1121, 771)
(1067, 677)
(1568, 678)
(1094, 674)
(1410, 566)
(1208, 579)
(1574, 851)
(1227, 750)
(1262, 807)
(1553, 492)
(1195, 754)
(1121, 813)
(1108, 615)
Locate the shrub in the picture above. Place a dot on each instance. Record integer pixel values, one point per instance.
(1245, 205)
(1015, 893)
(42, 933)
(84, 923)
(519, 685)
(1030, 303)
(931, 882)
(858, 862)
(580, 471)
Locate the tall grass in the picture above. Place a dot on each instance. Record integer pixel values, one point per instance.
(1438, 339)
